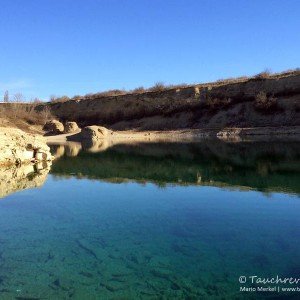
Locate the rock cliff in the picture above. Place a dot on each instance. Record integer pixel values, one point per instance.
(204, 106)
(260, 101)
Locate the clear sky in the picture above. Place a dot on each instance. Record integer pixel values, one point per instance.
(68, 47)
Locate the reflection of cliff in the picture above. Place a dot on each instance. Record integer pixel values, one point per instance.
(263, 166)
(13, 179)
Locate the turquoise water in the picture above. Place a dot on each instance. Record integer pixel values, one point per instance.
(128, 223)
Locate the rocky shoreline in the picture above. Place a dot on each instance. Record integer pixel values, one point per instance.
(18, 147)
(95, 134)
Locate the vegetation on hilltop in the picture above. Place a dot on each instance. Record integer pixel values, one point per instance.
(161, 86)
(24, 117)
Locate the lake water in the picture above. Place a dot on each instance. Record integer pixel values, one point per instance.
(154, 221)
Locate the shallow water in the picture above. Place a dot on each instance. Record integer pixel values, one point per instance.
(178, 221)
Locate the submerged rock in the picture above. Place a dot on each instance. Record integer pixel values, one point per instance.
(71, 127)
(54, 127)
(18, 147)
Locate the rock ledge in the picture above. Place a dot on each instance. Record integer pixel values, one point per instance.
(17, 147)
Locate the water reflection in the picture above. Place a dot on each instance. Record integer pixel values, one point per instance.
(88, 239)
(16, 178)
(264, 166)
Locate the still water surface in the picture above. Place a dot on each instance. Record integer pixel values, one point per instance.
(158, 221)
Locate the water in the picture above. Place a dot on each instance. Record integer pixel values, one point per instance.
(158, 221)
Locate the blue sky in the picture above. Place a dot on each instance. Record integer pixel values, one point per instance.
(67, 47)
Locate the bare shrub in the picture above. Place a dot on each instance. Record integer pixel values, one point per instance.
(108, 93)
(232, 79)
(217, 103)
(263, 75)
(158, 87)
(36, 100)
(6, 97)
(63, 98)
(18, 97)
(89, 95)
(25, 112)
(76, 97)
(52, 98)
(261, 97)
(140, 89)
(55, 99)
(113, 92)
(45, 114)
(265, 103)
(176, 86)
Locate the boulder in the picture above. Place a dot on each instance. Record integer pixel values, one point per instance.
(91, 134)
(71, 127)
(18, 147)
(54, 127)
(95, 132)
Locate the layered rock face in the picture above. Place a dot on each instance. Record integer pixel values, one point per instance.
(194, 101)
(17, 147)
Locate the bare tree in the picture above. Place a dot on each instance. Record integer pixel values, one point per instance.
(53, 98)
(45, 114)
(36, 100)
(6, 96)
(18, 97)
